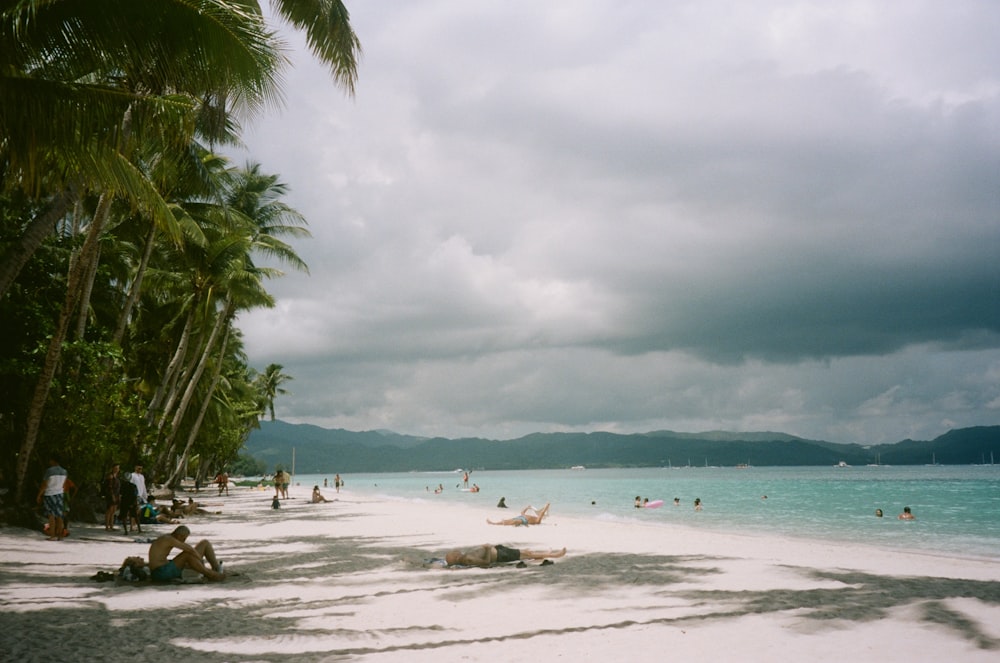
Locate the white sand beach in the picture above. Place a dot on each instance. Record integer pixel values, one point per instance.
(347, 581)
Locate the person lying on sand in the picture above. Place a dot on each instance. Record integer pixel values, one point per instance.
(193, 508)
(489, 554)
(525, 518)
(162, 568)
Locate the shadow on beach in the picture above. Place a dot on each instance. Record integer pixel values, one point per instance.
(345, 595)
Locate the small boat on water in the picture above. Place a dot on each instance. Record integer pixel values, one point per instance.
(578, 467)
(841, 464)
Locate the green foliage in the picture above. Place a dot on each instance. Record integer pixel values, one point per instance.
(101, 114)
(247, 466)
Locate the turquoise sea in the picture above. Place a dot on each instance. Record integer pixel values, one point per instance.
(957, 508)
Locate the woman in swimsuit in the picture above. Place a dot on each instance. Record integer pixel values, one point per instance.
(525, 518)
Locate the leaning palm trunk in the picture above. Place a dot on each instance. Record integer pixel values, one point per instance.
(206, 403)
(32, 238)
(36, 409)
(169, 381)
(181, 380)
(135, 288)
(83, 309)
(221, 322)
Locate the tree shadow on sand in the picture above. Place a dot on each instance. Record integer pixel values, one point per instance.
(867, 597)
(363, 575)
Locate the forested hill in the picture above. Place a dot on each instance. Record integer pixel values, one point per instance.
(320, 450)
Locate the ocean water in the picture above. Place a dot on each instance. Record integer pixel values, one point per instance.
(957, 508)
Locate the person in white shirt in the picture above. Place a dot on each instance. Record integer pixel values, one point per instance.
(140, 484)
(50, 495)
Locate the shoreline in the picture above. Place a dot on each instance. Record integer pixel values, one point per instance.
(346, 580)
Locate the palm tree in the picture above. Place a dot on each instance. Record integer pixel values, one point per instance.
(83, 84)
(225, 280)
(269, 387)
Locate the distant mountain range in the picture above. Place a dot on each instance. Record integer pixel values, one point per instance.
(325, 451)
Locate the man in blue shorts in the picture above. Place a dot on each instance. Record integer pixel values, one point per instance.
(164, 569)
(50, 496)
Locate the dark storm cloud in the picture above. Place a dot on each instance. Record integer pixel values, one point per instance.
(579, 215)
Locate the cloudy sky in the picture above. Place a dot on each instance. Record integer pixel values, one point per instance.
(578, 215)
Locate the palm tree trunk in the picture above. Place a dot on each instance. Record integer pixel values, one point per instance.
(181, 379)
(135, 289)
(173, 370)
(45, 378)
(83, 310)
(33, 236)
(221, 322)
(205, 404)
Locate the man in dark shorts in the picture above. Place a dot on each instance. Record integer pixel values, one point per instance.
(490, 554)
(164, 569)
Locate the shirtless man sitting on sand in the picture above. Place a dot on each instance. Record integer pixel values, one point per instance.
(489, 554)
(162, 568)
(533, 518)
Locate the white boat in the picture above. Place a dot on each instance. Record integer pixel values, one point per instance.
(842, 464)
(578, 467)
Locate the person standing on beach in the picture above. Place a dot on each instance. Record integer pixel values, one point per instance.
(111, 489)
(50, 496)
(190, 557)
(490, 554)
(337, 483)
(128, 505)
(140, 484)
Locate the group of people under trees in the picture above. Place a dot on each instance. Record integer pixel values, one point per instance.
(127, 499)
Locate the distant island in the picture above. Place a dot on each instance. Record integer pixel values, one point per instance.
(321, 450)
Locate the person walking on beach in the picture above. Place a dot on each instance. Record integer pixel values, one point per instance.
(111, 489)
(337, 483)
(490, 554)
(222, 479)
(162, 568)
(529, 516)
(50, 496)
